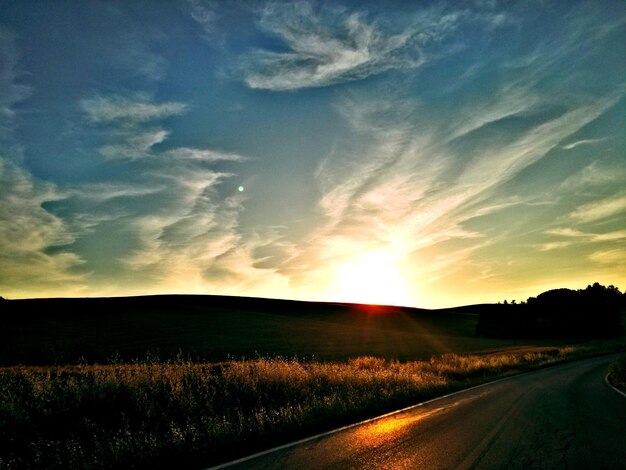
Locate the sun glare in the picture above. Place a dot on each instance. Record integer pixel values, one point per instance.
(371, 279)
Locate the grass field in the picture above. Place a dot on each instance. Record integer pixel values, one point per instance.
(188, 415)
(207, 328)
(80, 400)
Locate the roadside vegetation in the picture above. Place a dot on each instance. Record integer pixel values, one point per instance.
(182, 414)
(617, 374)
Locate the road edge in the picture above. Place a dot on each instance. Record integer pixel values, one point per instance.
(606, 379)
(348, 426)
(391, 413)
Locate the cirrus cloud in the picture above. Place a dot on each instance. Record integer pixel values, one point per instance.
(599, 210)
(330, 45)
(132, 109)
(30, 236)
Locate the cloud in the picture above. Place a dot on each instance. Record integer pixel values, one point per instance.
(203, 155)
(594, 175)
(204, 12)
(137, 144)
(185, 237)
(126, 42)
(423, 188)
(566, 232)
(11, 91)
(134, 109)
(126, 121)
(30, 236)
(575, 237)
(407, 190)
(602, 209)
(612, 257)
(133, 53)
(193, 243)
(594, 237)
(104, 192)
(610, 236)
(330, 45)
(33, 257)
(553, 245)
(578, 143)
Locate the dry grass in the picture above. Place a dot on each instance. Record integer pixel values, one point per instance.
(184, 414)
(617, 374)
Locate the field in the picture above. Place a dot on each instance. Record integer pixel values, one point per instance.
(189, 415)
(212, 328)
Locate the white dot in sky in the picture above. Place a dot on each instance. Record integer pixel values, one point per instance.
(240, 188)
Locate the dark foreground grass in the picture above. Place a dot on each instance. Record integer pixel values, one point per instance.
(188, 415)
(617, 373)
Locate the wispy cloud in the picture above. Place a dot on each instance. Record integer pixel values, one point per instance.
(203, 155)
(130, 121)
(130, 45)
(594, 176)
(32, 259)
(410, 187)
(28, 234)
(473, 155)
(566, 232)
(102, 192)
(329, 45)
(579, 238)
(204, 12)
(11, 91)
(578, 143)
(549, 246)
(588, 236)
(194, 243)
(137, 108)
(136, 56)
(602, 209)
(136, 144)
(186, 237)
(612, 257)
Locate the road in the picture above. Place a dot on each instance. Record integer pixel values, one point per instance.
(563, 417)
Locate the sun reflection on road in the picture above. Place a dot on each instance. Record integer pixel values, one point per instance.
(390, 428)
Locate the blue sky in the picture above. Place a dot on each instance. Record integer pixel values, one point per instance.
(424, 153)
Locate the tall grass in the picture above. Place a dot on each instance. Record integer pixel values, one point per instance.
(617, 373)
(184, 414)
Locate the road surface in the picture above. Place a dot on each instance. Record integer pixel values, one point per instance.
(564, 417)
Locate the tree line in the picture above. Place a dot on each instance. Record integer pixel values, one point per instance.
(594, 312)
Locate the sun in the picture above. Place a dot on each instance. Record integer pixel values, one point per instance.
(372, 278)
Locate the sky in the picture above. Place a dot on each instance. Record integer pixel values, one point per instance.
(431, 153)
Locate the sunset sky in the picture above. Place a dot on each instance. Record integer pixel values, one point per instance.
(421, 153)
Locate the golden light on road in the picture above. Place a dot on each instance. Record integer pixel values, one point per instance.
(393, 427)
(372, 278)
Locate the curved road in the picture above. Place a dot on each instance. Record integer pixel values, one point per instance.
(561, 417)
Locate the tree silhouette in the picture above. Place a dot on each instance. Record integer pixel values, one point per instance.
(592, 312)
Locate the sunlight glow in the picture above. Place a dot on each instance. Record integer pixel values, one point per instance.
(373, 278)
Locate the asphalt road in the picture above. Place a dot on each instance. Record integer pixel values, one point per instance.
(564, 417)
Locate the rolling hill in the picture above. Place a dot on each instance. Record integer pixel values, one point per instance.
(215, 328)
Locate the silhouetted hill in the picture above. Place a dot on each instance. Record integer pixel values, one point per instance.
(214, 328)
